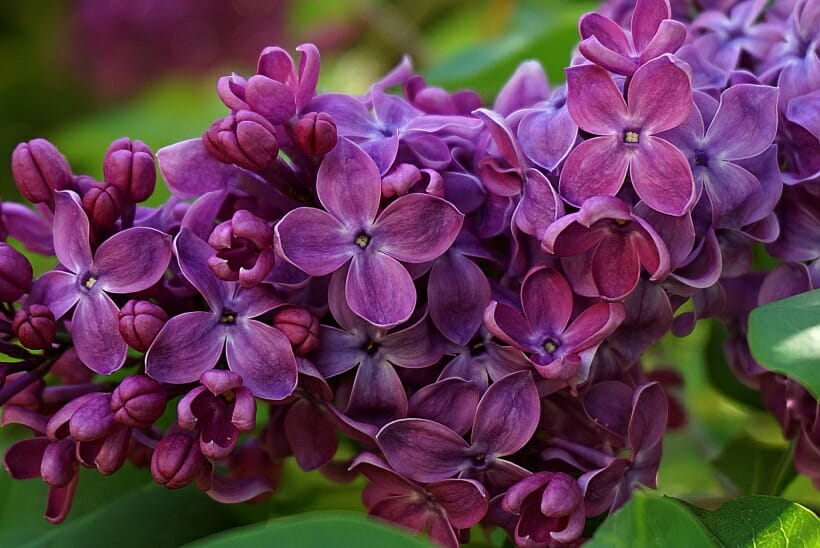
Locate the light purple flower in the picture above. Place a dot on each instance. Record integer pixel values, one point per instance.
(191, 343)
(415, 228)
(128, 262)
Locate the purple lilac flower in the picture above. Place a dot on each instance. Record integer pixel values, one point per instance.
(130, 261)
(191, 343)
(415, 228)
(659, 98)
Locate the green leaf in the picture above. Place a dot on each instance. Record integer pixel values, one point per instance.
(315, 530)
(756, 468)
(762, 522)
(148, 516)
(784, 336)
(648, 520)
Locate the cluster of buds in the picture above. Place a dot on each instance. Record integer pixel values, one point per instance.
(466, 293)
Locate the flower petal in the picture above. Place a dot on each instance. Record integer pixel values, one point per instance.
(435, 402)
(185, 347)
(338, 351)
(596, 167)
(465, 501)
(507, 415)
(646, 19)
(547, 300)
(314, 241)
(190, 170)
(616, 267)
(192, 254)
(262, 355)
(96, 333)
(457, 294)
(132, 260)
(71, 232)
(662, 177)
(660, 95)
(594, 101)
(417, 228)
(58, 290)
(378, 395)
(423, 450)
(379, 289)
(349, 185)
(311, 435)
(745, 123)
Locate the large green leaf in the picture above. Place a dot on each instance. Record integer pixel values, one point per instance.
(762, 522)
(756, 468)
(784, 336)
(648, 520)
(315, 530)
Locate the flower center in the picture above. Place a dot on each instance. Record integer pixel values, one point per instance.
(370, 347)
(477, 349)
(630, 136)
(228, 318)
(550, 346)
(701, 159)
(362, 240)
(90, 282)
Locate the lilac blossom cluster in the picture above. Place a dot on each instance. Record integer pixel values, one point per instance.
(465, 293)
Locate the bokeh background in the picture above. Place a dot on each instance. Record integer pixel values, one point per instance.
(85, 72)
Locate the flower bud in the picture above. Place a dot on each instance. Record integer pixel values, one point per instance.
(129, 166)
(399, 180)
(300, 327)
(39, 169)
(59, 465)
(138, 402)
(15, 273)
(140, 321)
(246, 139)
(103, 204)
(177, 461)
(244, 249)
(35, 326)
(315, 133)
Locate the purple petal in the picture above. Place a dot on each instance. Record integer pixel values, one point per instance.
(96, 333)
(378, 395)
(408, 512)
(423, 450)
(22, 459)
(606, 30)
(502, 135)
(609, 405)
(745, 123)
(262, 355)
(527, 86)
(255, 301)
(457, 294)
(547, 137)
(660, 95)
(646, 19)
(616, 267)
(649, 414)
(669, 38)
(32, 229)
(594, 101)
(596, 167)
(58, 290)
(600, 487)
(310, 435)
(601, 55)
(59, 500)
(191, 171)
(383, 151)
(200, 216)
(662, 177)
(547, 300)
(510, 325)
(349, 185)
(805, 111)
(435, 402)
(314, 241)
(132, 260)
(192, 254)
(417, 228)
(465, 501)
(728, 186)
(308, 74)
(593, 325)
(338, 351)
(540, 205)
(379, 289)
(234, 490)
(186, 346)
(507, 415)
(414, 346)
(71, 232)
(273, 100)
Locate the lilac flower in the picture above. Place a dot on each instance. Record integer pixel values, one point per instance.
(653, 33)
(558, 350)
(744, 125)
(130, 261)
(415, 228)
(659, 98)
(505, 420)
(442, 507)
(191, 343)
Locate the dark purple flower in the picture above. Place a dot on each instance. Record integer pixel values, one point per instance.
(441, 508)
(415, 228)
(15, 273)
(505, 420)
(129, 261)
(191, 343)
(659, 98)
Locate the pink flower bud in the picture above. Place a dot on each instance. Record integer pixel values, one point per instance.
(246, 139)
(138, 402)
(35, 326)
(140, 321)
(103, 204)
(300, 327)
(39, 169)
(130, 167)
(177, 461)
(15, 273)
(315, 134)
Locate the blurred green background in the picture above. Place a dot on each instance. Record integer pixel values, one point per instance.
(85, 72)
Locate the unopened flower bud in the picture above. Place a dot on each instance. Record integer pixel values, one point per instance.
(138, 402)
(15, 273)
(300, 327)
(103, 204)
(315, 133)
(244, 249)
(399, 180)
(35, 326)
(140, 321)
(129, 166)
(39, 169)
(59, 464)
(246, 139)
(177, 461)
